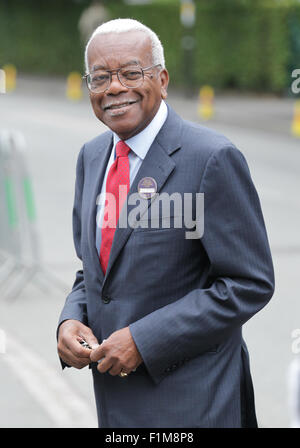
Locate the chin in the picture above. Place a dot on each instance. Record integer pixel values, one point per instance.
(124, 130)
(124, 134)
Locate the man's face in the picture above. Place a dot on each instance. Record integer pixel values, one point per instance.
(126, 111)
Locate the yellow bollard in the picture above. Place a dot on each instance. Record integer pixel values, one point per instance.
(74, 86)
(10, 77)
(205, 104)
(296, 120)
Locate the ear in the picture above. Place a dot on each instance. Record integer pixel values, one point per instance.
(164, 80)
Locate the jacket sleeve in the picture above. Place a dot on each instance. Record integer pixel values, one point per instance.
(240, 272)
(75, 305)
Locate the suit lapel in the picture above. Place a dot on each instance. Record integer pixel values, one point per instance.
(97, 169)
(157, 164)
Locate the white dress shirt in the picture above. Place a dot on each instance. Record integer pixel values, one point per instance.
(139, 145)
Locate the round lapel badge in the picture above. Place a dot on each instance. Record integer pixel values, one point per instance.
(147, 187)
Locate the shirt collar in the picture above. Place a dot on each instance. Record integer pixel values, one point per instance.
(141, 142)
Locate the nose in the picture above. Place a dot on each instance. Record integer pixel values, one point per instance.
(115, 86)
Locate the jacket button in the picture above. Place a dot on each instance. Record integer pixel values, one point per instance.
(106, 299)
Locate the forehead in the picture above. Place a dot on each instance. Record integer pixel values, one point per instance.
(113, 50)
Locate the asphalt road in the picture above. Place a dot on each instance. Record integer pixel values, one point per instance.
(34, 392)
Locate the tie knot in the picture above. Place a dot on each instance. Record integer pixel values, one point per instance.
(122, 150)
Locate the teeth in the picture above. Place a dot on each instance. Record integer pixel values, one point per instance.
(118, 106)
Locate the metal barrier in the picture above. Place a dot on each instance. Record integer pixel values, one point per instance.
(20, 256)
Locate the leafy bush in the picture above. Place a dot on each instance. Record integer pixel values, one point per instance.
(245, 44)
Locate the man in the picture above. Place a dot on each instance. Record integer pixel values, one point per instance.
(161, 312)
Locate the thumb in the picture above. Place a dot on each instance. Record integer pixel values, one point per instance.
(91, 340)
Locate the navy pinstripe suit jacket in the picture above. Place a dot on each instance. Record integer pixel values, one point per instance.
(185, 300)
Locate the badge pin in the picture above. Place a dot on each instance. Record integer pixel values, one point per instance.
(147, 187)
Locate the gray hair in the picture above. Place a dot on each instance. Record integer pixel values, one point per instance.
(123, 26)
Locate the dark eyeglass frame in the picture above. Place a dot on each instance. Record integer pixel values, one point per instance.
(117, 71)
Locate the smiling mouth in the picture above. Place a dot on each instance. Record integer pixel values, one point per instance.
(119, 105)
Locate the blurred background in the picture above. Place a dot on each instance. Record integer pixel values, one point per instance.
(234, 66)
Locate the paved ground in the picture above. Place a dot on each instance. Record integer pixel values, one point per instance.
(34, 391)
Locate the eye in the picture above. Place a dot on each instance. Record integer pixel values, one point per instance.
(131, 74)
(99, 78)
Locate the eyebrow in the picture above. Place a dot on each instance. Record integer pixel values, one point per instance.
(102, 67)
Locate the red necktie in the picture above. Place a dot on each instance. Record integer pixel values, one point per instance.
(118, 175)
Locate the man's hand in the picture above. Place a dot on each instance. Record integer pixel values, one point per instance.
(119, 353)
(71, 332)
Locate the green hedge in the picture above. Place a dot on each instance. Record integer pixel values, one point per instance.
(245, 44)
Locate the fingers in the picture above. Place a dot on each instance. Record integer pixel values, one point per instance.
(79, 351)
(117, 370)
(72, 360)
(97, 353)
(73, 353)
(69, 348)
(116, 354)
(110, 360)
(114, 368)
(105, 363)
(90, 339)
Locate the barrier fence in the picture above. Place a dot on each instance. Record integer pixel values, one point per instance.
(20, 255)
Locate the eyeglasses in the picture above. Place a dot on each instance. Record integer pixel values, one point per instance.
(130, 76)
